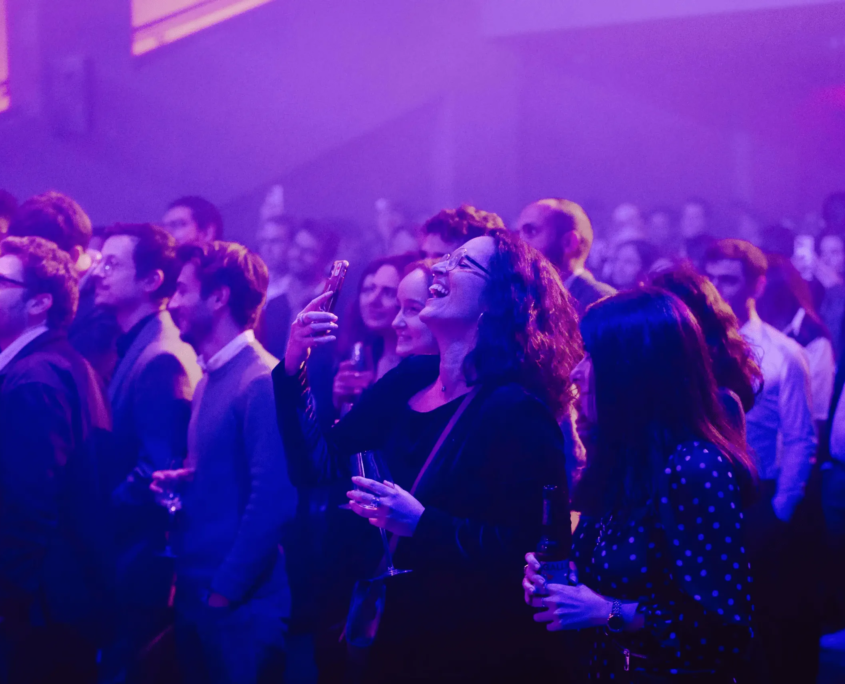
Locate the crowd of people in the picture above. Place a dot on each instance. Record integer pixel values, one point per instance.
(207, 474)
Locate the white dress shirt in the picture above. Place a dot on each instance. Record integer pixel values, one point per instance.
(15, 347)
(228, 352)
(780, 427)
(822, 367)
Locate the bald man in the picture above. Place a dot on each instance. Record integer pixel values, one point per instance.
(561, 230)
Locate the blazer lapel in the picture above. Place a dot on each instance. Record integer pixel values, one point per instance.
(148, 335)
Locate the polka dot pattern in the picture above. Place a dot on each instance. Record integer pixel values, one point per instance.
(677, 562)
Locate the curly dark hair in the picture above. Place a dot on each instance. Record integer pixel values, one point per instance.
(734, 364)
(529, 330)
(462, 224)
(55, 217)
(47, 270)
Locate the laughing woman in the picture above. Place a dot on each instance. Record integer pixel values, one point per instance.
(508, 338)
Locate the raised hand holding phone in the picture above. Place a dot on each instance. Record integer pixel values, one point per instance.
(315, 324)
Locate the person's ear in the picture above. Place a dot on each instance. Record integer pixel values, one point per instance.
(153, 281)
(39, 305)
(219, 298)
(570, 244)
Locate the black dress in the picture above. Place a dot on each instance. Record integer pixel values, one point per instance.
(459, 616)
(685, 563)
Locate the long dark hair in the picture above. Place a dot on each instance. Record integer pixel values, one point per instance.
(529, 330)
(353, 329)
(734, 365)
(654, 389)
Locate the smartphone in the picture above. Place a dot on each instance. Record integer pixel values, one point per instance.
(335, 284)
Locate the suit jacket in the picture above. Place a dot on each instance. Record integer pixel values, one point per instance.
(585, 290)
(54, 424)
(150, 395)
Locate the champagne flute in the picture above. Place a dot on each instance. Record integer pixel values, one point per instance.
(173, 503)
(368, 464)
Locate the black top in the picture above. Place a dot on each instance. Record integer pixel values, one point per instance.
(483, 507)
(94, 332)
(125, 341)
(684, 562)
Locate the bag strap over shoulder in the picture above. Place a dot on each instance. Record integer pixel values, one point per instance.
(440, 441)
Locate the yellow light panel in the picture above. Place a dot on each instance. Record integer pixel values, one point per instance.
(4, 60)
(159, 22)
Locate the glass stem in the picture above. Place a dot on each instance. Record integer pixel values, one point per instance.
(387, 554)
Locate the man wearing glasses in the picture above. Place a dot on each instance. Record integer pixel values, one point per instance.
(53, 424)
(150, 394)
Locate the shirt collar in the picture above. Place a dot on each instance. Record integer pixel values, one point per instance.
(753, 327)
(572, 276)
(229, 352)
(795, 326)
(10, 352)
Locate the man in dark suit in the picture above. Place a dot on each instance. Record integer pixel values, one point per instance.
(562, 231)
(150, 394)
(54, 423)
(58, 218)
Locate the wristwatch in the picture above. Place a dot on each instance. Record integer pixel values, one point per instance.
(615, 621)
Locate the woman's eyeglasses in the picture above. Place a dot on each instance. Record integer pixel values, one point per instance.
(451, 261)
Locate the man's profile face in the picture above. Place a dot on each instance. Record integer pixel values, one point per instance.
(536, 228)
(728, 277)
(180, 223)
(13, 296)
(116, 284)
(189, 310)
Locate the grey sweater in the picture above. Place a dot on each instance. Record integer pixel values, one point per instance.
(240, 496)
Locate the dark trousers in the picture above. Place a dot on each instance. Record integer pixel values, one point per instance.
(240, 644)
(32, 652)
(141, 612)
(785, 564)
(833, 505)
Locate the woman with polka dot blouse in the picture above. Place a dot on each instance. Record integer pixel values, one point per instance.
(661, 581)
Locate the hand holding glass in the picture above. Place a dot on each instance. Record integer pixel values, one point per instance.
(368, 465)
(164, 486)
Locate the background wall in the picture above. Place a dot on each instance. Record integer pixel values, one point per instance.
(430, 103)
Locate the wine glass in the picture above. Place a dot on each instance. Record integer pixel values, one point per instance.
(370, 465)
(173, 503)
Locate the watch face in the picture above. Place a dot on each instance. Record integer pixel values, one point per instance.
(616, 623)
